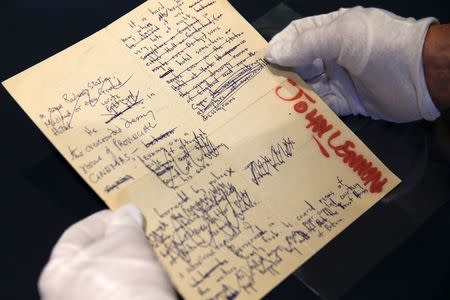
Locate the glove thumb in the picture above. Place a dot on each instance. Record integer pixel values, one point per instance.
(127, 217)
(304, 40)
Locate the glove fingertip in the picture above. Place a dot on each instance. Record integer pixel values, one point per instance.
(277, 54)
(135, 213)
(128, 215)
(268, 55)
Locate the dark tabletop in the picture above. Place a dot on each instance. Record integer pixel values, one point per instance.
(43, 195)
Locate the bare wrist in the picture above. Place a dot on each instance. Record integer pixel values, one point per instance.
(436, 64)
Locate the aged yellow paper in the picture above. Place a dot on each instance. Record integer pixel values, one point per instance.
(242, 172)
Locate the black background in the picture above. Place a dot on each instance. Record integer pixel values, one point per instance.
(43, 195)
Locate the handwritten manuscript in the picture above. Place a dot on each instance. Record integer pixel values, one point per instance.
(242, 172)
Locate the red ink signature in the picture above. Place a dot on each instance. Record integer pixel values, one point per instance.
(320, 126)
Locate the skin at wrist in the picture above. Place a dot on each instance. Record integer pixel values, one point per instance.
(436, 64)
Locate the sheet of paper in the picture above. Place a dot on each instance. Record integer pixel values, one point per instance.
(242, 172)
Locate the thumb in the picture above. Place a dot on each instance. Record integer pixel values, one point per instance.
(301, 25)
(319, 42)
(127, 217)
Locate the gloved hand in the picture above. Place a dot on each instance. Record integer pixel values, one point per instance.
(364, 61)
(105, 256)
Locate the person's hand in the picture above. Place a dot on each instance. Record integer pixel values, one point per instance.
(105, 256)
(360, 61)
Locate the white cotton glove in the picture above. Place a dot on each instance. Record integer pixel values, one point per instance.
(364, 61)
(105, 256)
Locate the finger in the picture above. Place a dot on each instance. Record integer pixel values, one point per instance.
(125, 234)
(298, 26)
(311, 44)
(311, 71)
(127, 217)
(82, 234)
(301, 38)
(320, 85)
(318, 20)
(338, 104)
